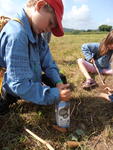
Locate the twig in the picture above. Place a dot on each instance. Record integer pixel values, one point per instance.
(73, 109)
(39, 139)
(106, 145)
(77, 107)
(91, 134)
(98, 73)
(98, 139)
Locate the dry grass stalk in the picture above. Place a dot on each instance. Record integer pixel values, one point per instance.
(40, 139)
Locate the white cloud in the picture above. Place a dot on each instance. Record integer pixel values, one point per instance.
(9, 7)
(78, 18)
(108, 21)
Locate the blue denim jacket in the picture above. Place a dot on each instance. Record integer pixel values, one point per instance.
(26, 55)
(91, 50)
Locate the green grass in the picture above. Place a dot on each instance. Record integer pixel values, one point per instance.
(92, 117)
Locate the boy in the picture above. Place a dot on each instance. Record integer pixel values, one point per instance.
(25, 55)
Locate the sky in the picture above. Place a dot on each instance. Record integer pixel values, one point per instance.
(78, 14)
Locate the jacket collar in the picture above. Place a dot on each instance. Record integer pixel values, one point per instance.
(23, 17)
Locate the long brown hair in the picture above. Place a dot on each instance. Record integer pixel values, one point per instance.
(105, 42)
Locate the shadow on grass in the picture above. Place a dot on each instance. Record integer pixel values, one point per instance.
(11, 126)
(38, 119)
(90, 114)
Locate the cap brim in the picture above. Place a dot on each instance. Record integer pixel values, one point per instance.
(58, 31)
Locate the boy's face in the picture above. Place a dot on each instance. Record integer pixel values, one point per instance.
(43, 21)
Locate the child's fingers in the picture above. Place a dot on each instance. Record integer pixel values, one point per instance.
(63, 86)
(67, 91)
(109, 90)
(105, 96)
(65, 94)
(66, 86)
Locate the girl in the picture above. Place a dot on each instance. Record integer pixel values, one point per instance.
(98, 53)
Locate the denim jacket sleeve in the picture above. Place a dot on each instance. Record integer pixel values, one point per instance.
(103, 62)
(90, 50)
(48, 64)
(18, 77)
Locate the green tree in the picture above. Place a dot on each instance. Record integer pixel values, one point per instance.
(105, 28)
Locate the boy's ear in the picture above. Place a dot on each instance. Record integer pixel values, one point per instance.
(40, 4)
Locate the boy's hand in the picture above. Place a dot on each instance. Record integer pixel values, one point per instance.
(65, 95)
(65, 92)
(62, 86)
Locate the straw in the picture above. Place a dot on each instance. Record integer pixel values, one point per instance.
(98, 73)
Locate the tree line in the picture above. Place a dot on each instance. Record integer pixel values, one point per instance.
(101, 28)
(105, 28)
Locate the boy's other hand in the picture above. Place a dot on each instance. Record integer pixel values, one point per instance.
(65, 92)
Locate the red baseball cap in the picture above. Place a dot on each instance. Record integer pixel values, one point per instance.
(58, 7)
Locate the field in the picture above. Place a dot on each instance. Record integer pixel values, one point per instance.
(91, 116)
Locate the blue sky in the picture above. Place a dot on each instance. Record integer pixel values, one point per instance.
(78, 14)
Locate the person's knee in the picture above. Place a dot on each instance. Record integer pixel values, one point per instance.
(80, 60)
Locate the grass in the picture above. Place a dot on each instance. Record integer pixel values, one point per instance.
(91, 120)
